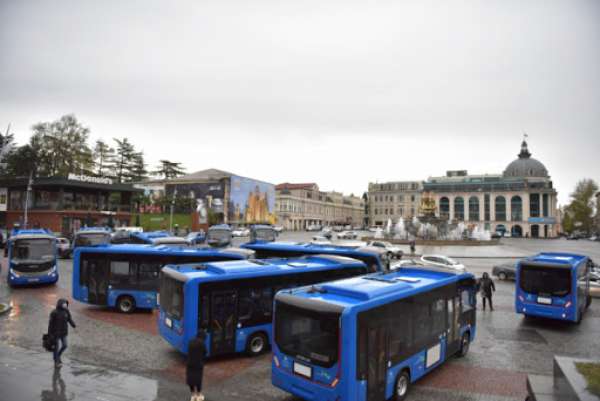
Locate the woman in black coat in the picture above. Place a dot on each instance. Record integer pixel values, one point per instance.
(195, 366)
(58, 328)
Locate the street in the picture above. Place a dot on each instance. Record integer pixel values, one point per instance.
(112, 356)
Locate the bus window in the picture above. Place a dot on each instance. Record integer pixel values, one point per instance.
(245, 306)
(266, 301)
(204, 309)
(438, 314)
(119, 272)
(148, 275)
(545, 280)
(466, 303)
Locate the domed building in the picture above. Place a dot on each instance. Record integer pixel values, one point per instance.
(520, 201)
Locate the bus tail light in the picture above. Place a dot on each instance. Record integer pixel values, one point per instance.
(568, 304)
(276, 361)
(335, 382)
(521, 298)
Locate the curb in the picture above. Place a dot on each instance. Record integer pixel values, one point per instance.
(5, 308)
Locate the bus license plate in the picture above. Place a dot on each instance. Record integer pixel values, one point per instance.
(303, 370)
(544, 300)
(168, 322)
(33, 280)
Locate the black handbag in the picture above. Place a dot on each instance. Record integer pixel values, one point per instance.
(48, 342)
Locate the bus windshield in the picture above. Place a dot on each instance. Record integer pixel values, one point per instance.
(307, 334)
(219, 235)
(33, 250)
(265, 234)
(545, 280)
(171, 296)
(91, 239)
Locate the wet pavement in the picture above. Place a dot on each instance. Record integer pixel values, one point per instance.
(111, 355)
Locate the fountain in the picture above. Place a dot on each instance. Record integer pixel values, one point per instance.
(378, 233)
(400, 230)
(388, 229)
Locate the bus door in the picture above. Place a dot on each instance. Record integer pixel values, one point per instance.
(98, 276)
(224, 322)
(377, 362)
(453, 344)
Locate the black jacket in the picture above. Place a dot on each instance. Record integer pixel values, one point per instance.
(195, 362)
(487, 285)
(60, 318)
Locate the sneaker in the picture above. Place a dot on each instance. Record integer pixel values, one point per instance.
(201, 397)
(57, 364)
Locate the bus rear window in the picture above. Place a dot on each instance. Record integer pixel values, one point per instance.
(307, 334)
(91, 239)
(545, 280)
(171, 296)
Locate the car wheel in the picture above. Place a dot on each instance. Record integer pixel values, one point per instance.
(502, 276)
(402, 386)
(257, 344)
(464, 345)
(126, 304)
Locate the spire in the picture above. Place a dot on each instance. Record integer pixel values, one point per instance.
(524, 149)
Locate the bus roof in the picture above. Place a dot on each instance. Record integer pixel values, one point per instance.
(93, 230)
(311, 248)
(150, 235)
(147, 249)
(556, 258)
(32, 233)
(214, 271)
(401, 283)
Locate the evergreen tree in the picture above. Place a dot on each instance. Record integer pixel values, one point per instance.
(138, 169)
(104, 156)
(124, 160)
(168, 169)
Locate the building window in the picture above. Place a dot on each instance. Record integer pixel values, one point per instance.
(500, 208)
(545, 205)
(459, 208)
(516, 208)
(473, 208)
(444, 208)
(534, 205)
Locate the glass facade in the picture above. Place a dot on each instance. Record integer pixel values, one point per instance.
(516, 208)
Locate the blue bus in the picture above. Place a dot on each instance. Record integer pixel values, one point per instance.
(32, 257)
(126, 277)
(148, 238)
(262, 233)
(90, 236)
(232, 302)
(553, 285)
(368, 338)
(376, 259)
(219, 235)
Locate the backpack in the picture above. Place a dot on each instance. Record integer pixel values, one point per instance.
(49, 342)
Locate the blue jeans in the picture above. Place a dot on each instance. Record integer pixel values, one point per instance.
(58, 351)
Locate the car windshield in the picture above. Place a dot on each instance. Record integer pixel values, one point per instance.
(92, 239)
(545, 280)
(33, 250)
(171, 296)
(307, 334)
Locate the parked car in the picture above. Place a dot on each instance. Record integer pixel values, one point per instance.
(313, 227)
(195, 237)
(327, 233)
(278, 229)
(64, 247)
(240, 232)
(497, 234)
(505, 271)
(442, 261)
(347, 235)
(393, 250)
(407, 263)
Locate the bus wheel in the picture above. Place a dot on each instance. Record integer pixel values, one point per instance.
(502, 276)
(402, 386)
(257, 344)
(464, 345)
(125, 304)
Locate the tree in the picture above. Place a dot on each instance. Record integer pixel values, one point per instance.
(138, 168)
(104, 158)
(21, 162)
(168, 169)
(6, 149)
(61, 147)
(124, 160)
(579, 214)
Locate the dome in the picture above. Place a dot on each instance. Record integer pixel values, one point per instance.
(525, 165)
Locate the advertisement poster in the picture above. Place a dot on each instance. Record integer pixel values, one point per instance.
(251, 201)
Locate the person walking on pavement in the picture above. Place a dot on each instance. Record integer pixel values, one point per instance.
(58, 328)
(195, 366)
(487, 288)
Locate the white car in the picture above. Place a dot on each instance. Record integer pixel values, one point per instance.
(278, 229)
(320, 240)
(407, 263)
(393, 250)
(240, 232)
(347, 235)
(442, 261)
(64, 246)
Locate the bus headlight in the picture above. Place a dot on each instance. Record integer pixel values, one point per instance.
(15, 274)
(276, 360)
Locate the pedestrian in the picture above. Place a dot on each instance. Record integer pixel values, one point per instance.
(487, 288)
(176, 230)
(413, 247)
(58, 328)
(195, 365)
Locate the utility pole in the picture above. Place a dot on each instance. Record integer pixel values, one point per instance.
(171, 213)
(29, 188)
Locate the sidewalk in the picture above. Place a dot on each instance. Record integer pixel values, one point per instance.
(27, 375)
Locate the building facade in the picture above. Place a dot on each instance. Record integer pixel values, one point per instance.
(302, 205)
(65, 204)
(392, 200)
(521, 200)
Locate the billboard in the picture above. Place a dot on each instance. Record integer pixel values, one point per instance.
(251, 201)
(205, 198)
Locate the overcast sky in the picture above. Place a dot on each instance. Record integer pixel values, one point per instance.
(339, 92)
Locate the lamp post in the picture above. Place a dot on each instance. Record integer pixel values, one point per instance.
(29, 188)
(171, 212)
